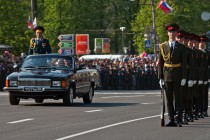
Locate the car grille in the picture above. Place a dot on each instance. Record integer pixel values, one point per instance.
(35, 83)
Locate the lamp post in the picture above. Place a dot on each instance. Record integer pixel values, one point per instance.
(154, 34)
(122, 29)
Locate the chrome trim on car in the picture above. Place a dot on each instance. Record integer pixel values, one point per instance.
(34, 82)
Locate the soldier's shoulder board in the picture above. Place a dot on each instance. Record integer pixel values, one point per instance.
(162, 44)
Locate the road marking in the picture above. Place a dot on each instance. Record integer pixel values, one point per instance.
(3, 94)
(105, 127)
(148, 103)
(121, 96)
(94, 110)
(24, 120)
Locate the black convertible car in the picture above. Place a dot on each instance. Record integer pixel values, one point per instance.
(51, 76)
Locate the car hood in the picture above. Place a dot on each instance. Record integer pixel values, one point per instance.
(45, 74)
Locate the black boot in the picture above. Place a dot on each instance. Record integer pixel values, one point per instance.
(171, 123)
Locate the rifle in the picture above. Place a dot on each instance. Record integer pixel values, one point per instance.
(162, 117)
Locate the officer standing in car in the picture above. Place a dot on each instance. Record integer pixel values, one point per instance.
(172, 73)
(39, 45)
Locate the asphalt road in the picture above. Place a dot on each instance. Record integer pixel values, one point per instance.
(113, 115)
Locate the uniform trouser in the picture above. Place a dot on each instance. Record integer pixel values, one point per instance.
(190, 92)
(200, 95)
(205, 97)
(199, 98)
(184, 94)
(172, 90)
(196, 92)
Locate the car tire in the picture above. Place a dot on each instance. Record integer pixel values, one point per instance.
(87, 99)
(14, 100)
(39, 101)
(68, 97)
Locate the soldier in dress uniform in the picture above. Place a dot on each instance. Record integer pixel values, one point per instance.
(204, 93)
(180, 37)
(200, 77)
(39, 45)
(172, 73)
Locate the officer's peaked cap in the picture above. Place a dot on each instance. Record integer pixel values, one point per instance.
(39, 28)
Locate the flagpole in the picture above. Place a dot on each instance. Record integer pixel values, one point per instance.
(153, 26)
(32, 9)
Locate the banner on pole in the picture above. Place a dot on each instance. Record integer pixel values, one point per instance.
(98, 45)
(82, 44)
(106, 45)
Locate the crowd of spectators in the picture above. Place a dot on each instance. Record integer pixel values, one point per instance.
(130, 72)
(8, 64)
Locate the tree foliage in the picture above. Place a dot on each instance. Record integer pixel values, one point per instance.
(98, 18)
(186, 13)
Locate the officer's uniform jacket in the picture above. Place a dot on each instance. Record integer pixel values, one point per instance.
(172, 65)
(199, 65)
(190, 63)
(205, 64)
(39, 46)
(208, 53)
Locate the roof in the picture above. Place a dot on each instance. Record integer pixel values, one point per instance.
(3, 46)
(101, 57)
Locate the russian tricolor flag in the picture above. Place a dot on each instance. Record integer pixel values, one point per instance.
(165, 7)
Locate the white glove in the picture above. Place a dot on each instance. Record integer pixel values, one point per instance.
(161, 82)
(200, 82)
(209, 80)
(205, 82)
(183, 82)
(195, 82)
(190, 83)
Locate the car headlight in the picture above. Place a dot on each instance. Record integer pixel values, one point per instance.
(13, 83)
(56, 83)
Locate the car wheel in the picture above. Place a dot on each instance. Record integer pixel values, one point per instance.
(68, 97)
(87, 99)
(14, 100)
(39, 100)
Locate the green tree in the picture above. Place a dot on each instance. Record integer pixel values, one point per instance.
(185, 13)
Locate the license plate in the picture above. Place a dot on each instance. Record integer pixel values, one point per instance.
(32, 89)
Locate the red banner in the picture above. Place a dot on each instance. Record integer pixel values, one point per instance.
(82, 44)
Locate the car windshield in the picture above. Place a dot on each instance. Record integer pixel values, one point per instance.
(48, 62)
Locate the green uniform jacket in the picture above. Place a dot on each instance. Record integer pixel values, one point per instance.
(41, 46)
(178, 56)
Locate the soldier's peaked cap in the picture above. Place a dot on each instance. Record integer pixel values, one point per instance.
(181, 33)
(172, 27)
(192, 35)
(39, 28)
(203, 38)
(187, 35)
